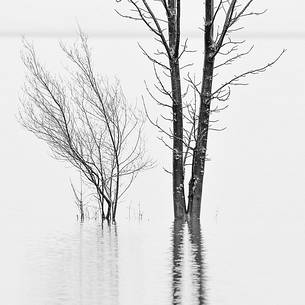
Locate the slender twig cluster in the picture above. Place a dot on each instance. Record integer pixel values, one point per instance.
(87, 122)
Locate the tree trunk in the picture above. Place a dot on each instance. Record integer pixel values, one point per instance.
(199, 156)
(82, 214)
(114, 209)
(178, 172)
(178, 168)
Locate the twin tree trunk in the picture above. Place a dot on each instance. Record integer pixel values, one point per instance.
(196, 139)
(199, 154)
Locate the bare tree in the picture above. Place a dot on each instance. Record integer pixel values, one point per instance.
(188, 100)
(87, 122)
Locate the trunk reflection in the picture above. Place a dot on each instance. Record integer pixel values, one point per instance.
(187, 235)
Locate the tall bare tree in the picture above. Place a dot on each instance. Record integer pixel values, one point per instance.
(87, 122)
(188, 101)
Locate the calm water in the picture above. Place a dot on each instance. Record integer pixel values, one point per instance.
(153, 263)
(117, 264)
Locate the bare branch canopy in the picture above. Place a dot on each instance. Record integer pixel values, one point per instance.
(190, 103)
(87, 122)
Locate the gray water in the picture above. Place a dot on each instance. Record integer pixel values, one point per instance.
(107, 265)
(153, 262)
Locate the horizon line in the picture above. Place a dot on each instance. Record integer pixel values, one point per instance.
(117, 34)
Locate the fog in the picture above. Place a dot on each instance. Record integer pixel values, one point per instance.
(253, 210)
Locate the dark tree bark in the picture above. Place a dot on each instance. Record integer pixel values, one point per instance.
(199, 156)
(178, 168)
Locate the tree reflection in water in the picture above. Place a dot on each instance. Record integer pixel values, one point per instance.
(180, 239)
(98, 265)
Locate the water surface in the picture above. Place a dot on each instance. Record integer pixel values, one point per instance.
(116, 264)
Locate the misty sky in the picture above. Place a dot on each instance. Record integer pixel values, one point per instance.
(57, 17)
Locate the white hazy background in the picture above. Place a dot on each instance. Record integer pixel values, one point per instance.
(255, 181)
